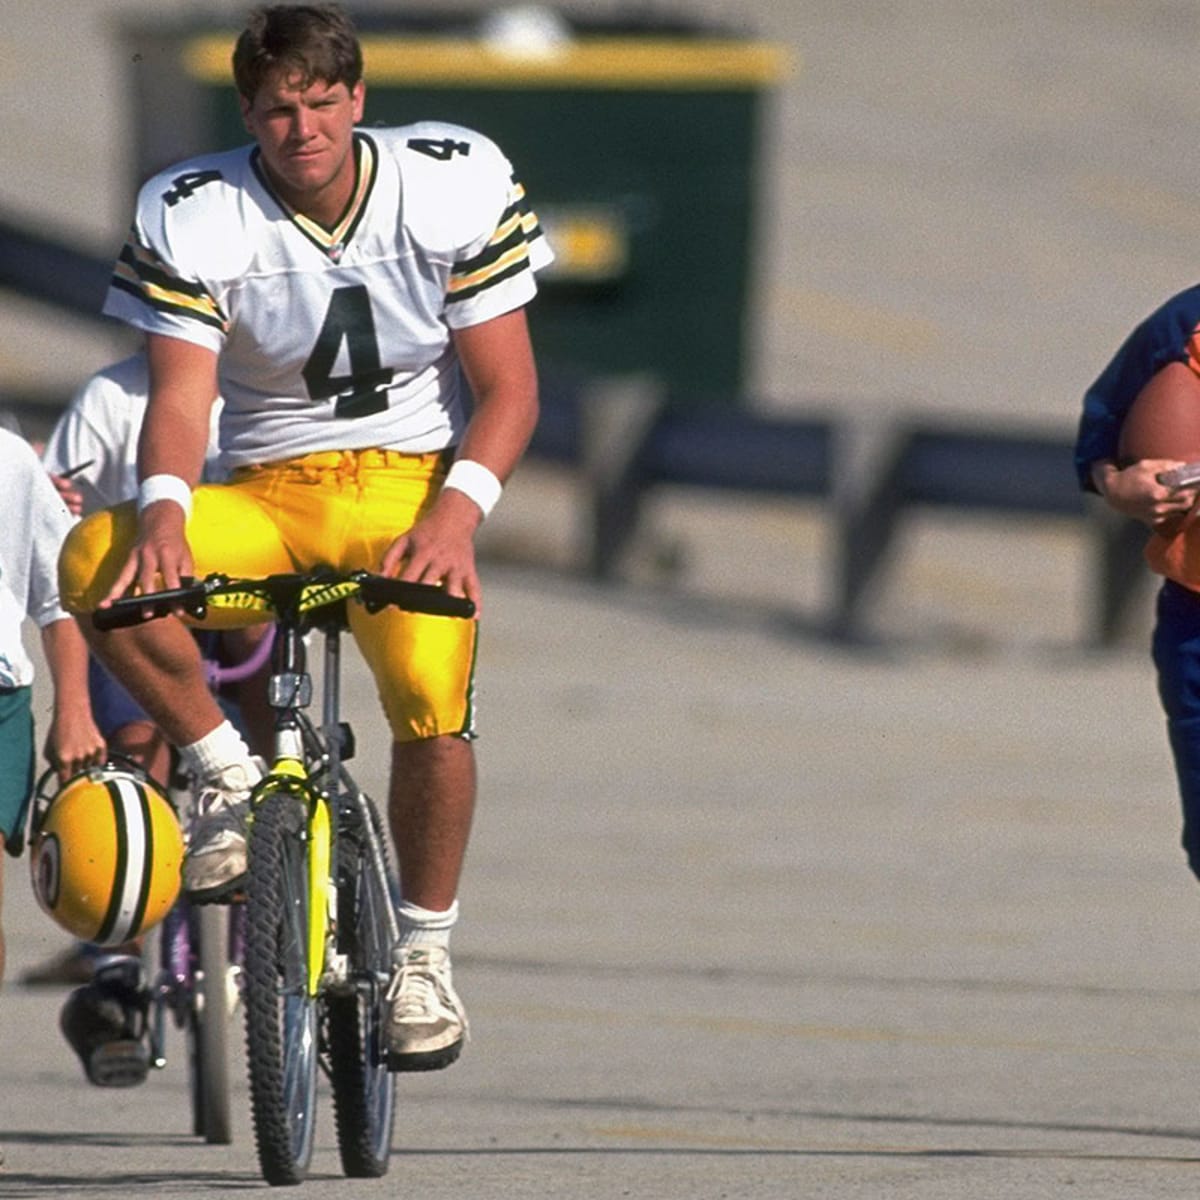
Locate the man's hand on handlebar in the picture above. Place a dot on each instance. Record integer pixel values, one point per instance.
(160, 558)
(440, 548)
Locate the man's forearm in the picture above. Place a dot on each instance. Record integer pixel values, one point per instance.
(183, 389)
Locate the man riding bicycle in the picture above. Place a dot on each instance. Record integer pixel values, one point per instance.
(357, 297)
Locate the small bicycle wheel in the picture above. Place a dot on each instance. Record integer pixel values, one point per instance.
(281, 1015)
(208, 1025)
(364, 1090)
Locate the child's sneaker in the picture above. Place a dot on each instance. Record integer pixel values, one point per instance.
(105, 1023)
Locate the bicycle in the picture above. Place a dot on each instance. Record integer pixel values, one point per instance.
(320, 917)
(199, 981)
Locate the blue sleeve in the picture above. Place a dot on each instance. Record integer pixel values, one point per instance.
(1162, 338)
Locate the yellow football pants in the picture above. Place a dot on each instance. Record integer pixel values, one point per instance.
(338, 509)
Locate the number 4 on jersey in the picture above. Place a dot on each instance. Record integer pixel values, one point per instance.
(443, 149)
(185, 185)
(364, 390)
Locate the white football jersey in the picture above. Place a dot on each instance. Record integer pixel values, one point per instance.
(31, 534)
(96, 437)
(334, 339)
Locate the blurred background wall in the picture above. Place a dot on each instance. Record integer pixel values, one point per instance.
(966, 203)
(959, 208)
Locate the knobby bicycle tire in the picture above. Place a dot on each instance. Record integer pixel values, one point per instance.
(208, 1026)
(281, 1016)
(364, 1090)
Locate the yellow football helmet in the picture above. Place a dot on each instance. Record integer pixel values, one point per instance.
(106, 852)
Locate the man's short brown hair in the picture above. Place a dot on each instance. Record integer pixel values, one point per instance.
(311, 41)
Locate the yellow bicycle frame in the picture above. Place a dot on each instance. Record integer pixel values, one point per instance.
(318, 888)
(292, 772)
(292, 775)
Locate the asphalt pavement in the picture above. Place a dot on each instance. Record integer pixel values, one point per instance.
(751, 914)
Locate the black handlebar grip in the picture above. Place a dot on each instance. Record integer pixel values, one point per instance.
(116, 617)
(134, 610)
(378, 590)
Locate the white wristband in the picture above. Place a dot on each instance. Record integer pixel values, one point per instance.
(164, 487)
(475, 480)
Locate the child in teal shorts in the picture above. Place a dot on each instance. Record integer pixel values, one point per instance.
(33, 525)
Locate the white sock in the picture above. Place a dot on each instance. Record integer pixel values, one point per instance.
(423, 927)
(215, 751)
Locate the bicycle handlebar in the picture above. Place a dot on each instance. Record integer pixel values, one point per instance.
(134, 610)
(276, 592)
(378, 591)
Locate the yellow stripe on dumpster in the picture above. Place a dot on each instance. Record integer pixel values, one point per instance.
(590, 62)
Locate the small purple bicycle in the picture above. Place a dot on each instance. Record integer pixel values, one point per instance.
(199, 981)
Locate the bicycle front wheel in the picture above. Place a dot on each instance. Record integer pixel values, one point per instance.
(281, 1014)
(364, 1089)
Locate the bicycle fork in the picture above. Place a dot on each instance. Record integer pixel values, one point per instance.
(343, 792)
(333, 730)
(290, 688)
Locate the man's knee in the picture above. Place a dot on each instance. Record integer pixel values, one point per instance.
(448, 746)
(93, 555)
(443, 761)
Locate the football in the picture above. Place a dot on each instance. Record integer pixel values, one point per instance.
(1164, 420)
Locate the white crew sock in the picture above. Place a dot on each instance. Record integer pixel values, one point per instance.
(423, 927)
(215, 751)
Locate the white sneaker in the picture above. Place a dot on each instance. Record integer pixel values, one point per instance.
(425, 1023)
(216, 855)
